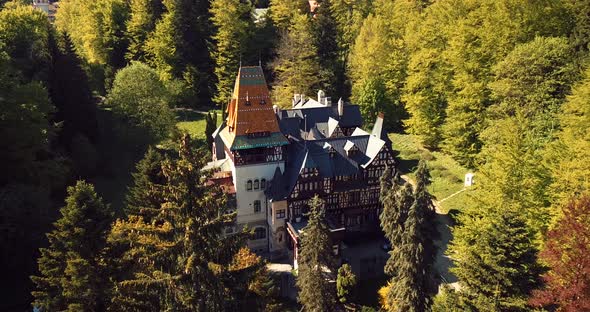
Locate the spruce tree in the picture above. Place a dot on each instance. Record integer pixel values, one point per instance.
(142, 21)
(408, 288)
(315, 260)
(144, 197)
(495, 259)
(426, 213)
(234, 27)
(178, 260)
(73, 276)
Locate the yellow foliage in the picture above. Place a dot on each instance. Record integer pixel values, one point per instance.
(383, 291)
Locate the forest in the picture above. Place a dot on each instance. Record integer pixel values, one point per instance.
(100, 190)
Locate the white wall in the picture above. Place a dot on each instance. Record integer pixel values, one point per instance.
(245, 199)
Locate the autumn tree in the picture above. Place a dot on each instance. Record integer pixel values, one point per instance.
(315, 262)
(72, 272)
(566, 252)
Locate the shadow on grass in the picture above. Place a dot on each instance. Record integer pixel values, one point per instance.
(366, 291)
(406, 166)
(188, 115)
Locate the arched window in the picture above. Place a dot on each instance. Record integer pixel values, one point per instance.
(259, 233)
(249, 185)
(257, 206)
(256, 184)
(262, 184)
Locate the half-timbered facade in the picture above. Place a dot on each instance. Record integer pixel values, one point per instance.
(280, 158)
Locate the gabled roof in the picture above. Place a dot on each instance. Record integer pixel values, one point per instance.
(325, 119)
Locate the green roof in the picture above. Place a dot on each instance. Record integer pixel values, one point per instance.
(245, 142)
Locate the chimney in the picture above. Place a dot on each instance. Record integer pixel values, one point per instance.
(340, 107)
(378, 126)
(296, 98)
(328, 101)
(321, 97)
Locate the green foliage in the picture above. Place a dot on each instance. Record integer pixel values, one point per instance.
(177, 259)
(72, 269)
(142, 21)
(210, 127)
(97, 30)
(372, 99)
(345, 283)
(297, 66)
(70, 92)
(568, 154)
(140, 97)
(495, 259)
(315, 258)
(234, 25)
(144, 196)
(282, 12)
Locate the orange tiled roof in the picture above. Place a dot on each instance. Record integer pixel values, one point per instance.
(250, 109)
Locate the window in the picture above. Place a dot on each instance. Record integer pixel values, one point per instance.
(248, 103)
(262, 102)
(259, 233)
(256, 184)
(281, 214)
(249, 185)
(263, 184)
(257, 206)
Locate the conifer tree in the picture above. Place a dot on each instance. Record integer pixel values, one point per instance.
(426, 213)
(178, 260)
(408, 288)
(568, 154)
(142, 21)
(70, 93)
(297, 65)
(210, 127)
(72, 272)
(234, 27)
(315, 258)
(345, 283)
(144, 197)
(282, 12)
(495, 260)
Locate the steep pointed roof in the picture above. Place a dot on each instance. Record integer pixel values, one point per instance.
(251, 121)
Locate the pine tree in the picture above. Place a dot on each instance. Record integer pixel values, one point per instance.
(72, 272)
(495, 259)
(408, 289)
(567, 155)
(144, 197)
(234, 24)
(177, 261)
(142, 21)
(426, 214)
(315, 259)
(70, 93)
(297, 66)
(210, 127)
(566, 251)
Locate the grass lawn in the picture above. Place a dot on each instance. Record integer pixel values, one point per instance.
(194, 122)
(447, 174)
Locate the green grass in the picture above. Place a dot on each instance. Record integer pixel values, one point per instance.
(447, 174)
(193, 122)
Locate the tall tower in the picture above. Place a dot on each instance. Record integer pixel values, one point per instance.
(255, 145)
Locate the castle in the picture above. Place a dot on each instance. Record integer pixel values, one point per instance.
(274, 160)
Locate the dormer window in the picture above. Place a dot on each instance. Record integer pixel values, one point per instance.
(262, 102)
(248, 103)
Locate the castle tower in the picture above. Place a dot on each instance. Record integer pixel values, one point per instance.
(254, 144)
